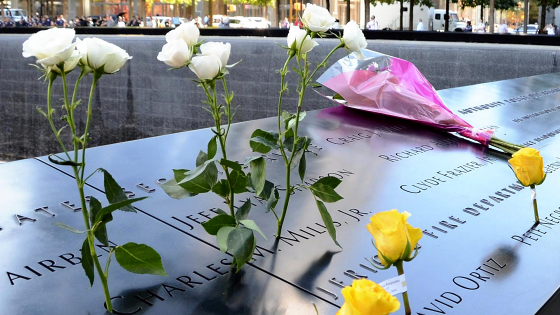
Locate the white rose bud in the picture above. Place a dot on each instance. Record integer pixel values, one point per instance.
(51, 46)
(295, 38)
(316, 18)
(188, 32)
(206, 67)
(69, 64)
(175, 54)
(354, 39)
(221, 50)
(97, 53)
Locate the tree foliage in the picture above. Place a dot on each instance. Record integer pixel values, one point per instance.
(502, 5)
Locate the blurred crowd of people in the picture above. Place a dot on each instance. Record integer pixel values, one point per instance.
(60, 21)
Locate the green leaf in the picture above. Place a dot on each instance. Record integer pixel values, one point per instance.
(253, 226)
(292, 121)
(316, 85)
(220, 211)
(325, 193)
(330, 181)
(222, 237)
(68, 228)
(60, 161)
(301, 145)
(139, 258)
(201, 158)
(241, 243)
(302, 167)
(114, 192)
(231, 164)
(327, 220)
(202, 179)
(213, 225)
(87, 262)
(173, 190)
(100, 231)
(114, 207)
(238, 182)
(267, 190)
(258, 174)
(243, 211)
(212, 147)
(272, 200)
(263, 141)
(221, 188)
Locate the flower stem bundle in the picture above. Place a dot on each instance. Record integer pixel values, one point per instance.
(287, 140)
(97, 57)
(233, 230)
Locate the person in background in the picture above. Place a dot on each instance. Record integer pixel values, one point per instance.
(420, 26)
(226, 21)
(468, 28)
(1, 23)
(550, 29)
(8, 23)
(481, 27)
(59, 22)
(285, 23)
(48, 21)
(372, 24)
(205, 20)
(22, 23)
(121, 22)
(336, 25)
(502, 28)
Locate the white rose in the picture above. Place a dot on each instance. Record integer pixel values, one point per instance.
(354, 39)
(97, 53)
(295, 38)
(221, 50)
(51, 46)
(175, 54)
(316, 18)
(188, 32)
(69, 64)
(206, 67)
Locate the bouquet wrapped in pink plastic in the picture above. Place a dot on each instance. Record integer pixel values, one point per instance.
(391, 86)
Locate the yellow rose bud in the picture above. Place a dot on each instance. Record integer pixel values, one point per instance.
(392, 233)
(366, 297)
(527, 164)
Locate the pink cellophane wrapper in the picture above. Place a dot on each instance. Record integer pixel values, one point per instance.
(391, 86)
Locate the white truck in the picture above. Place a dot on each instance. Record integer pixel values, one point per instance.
(433, 19)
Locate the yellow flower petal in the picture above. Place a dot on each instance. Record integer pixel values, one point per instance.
(366, 297)
(528, 166)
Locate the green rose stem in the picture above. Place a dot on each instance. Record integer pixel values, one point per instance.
(304, 81)
(400, 270)
(222, 135)
(78, 167)
(535, 205)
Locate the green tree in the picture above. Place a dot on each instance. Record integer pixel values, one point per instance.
(504, 5)
(475, 3)
(544, 4)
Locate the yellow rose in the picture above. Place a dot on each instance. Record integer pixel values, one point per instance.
(527, 165)
(392, 233)
(366, 297)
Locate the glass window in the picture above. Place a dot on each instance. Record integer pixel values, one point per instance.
(438, 16)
